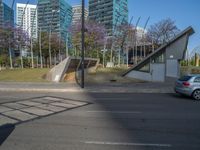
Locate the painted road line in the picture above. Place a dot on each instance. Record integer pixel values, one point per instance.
(65, 105)
(29, 103)
(116, 112)
(14, 105)
(6, 120)
(51, 107)
(19, 115)
(4, 109)
(37, 111)
(127, 144)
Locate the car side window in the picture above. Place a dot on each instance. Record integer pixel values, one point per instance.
(197, 79)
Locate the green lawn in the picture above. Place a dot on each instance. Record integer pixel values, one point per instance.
(102, 75)
(23, 75)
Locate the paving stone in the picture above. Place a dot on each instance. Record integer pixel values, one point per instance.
(6, 120)
(20, 115)
(37, 111)
(73, 102)
(52, 98)
(51, 107)
(43, 101)
(14, 105)
(63, 105)
(29, 103)
(4, 109)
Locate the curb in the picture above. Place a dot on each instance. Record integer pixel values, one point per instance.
(86, 90)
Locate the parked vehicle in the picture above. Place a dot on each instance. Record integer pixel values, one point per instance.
(188, 85)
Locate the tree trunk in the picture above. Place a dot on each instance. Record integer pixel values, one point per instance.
(10, 55)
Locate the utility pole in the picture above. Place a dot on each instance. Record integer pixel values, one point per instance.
(82, 44)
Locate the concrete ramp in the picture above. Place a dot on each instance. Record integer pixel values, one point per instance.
(68, 65)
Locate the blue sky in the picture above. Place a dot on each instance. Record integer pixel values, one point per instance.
(184, 12)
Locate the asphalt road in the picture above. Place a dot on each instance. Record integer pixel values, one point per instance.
(111, 122)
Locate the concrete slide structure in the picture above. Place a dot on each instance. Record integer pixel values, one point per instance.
(70, 64)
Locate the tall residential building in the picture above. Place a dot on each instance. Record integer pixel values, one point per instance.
(1, 13)
(110, 13)
(54, 16)
(77, 13)
(26, 18)
(6, 15)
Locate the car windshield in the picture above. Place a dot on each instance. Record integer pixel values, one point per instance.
(185, 78)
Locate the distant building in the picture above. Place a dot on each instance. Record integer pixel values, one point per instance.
(77, 13)
(110, 13)
(54, 16)
(26, 18)
(6, 15)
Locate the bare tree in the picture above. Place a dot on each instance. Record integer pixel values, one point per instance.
(162, 31)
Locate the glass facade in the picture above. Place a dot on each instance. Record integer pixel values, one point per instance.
(1, 13)
(54, 15)
(110, 13)
(6, 15)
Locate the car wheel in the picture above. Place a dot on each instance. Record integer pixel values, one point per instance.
(196, 94)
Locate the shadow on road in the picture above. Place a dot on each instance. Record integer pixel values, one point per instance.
(5, 131)
(181, 97)
(155, 121)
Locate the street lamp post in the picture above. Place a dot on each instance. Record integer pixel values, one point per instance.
(82, 43)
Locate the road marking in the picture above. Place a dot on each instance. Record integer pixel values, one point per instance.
(127, 144)
(116, 112)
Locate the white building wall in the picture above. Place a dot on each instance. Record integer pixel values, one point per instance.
(77, 13)
(172, 68)
(27, 18)
(140, 75)
(156, 74)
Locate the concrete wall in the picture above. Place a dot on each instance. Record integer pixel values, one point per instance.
(70, 64)
(172, 68)
(140, 75)
(157, 73)
(57, 72)
(177, 49)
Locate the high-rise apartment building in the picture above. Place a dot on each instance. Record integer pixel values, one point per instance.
(110, 13)
(77, 13)
(54, 16)
(26, 18)
(1, 13)
(6, 15)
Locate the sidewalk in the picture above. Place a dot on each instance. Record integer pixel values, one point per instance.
(89, 87)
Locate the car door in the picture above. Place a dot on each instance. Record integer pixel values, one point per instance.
(196, 83)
